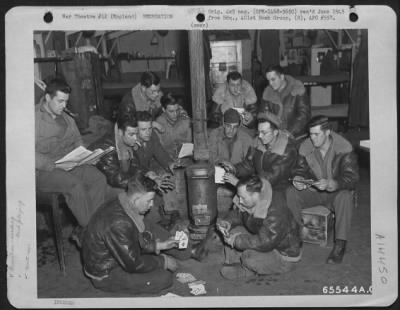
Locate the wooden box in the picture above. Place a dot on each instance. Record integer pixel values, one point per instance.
(317, 225)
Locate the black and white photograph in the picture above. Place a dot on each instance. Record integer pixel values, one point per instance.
(190, 162)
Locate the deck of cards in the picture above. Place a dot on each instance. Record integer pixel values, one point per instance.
(183, 239)
(196, 286)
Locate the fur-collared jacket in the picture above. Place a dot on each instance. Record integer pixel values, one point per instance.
(271, 227)
(114, 239)
(291, 105)
(342, 163)
(121, 163)
(117, 171)
(274, 163)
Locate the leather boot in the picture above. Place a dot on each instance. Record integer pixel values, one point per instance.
(199, 251)
(337, 253)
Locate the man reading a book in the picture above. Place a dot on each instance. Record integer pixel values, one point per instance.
(56, 134)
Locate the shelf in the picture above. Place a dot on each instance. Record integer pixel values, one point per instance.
(51, 59)
(59, 59)
(321, 80)
(149, 58)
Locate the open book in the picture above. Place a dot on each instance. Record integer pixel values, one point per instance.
(186, 150)
(81, 156)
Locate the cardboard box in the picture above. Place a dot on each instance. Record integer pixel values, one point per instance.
(317, 225)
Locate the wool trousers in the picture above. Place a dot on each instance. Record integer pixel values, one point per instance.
(85, 188)
(262, 263)
(340, 202)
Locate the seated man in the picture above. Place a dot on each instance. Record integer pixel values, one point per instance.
(238, 93)
(121, 250)
(235, 93)
(56, 134)
(287, 98)
(144, 96)
(268, 242)
(273, 156)
(177, 130)
(228, 143)
(176, 123)
(154, 159)
(328, 162)
(119, 165)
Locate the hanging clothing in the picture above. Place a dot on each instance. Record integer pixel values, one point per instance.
(359, 104)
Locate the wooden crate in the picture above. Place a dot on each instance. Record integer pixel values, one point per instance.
(317, 225)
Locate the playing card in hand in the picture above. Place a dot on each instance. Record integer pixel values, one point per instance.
(183, 239)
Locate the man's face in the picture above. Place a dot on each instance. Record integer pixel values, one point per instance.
(145, 130)
(265, 133)
(276, 80)
(247, 199)
(230, 129)
(58, 102)
(235, 87)
(129, 136)
(151, 92)
(171, 111)
(319, 136)
(144, 202)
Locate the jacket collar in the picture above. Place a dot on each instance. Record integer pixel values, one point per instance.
(130, 209)
(339, 145)
(44, 108)
(261, 209)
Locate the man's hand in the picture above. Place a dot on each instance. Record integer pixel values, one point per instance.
(321, 185)
(165, 183)
(230, 239)
(332, 185)
(224, 227)
(329, 185)
(299, 185)
(166, 244)
(224, 224)
(230, 178)
(151, 175)
(236, 204)
(227, 166)
(160, 128)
